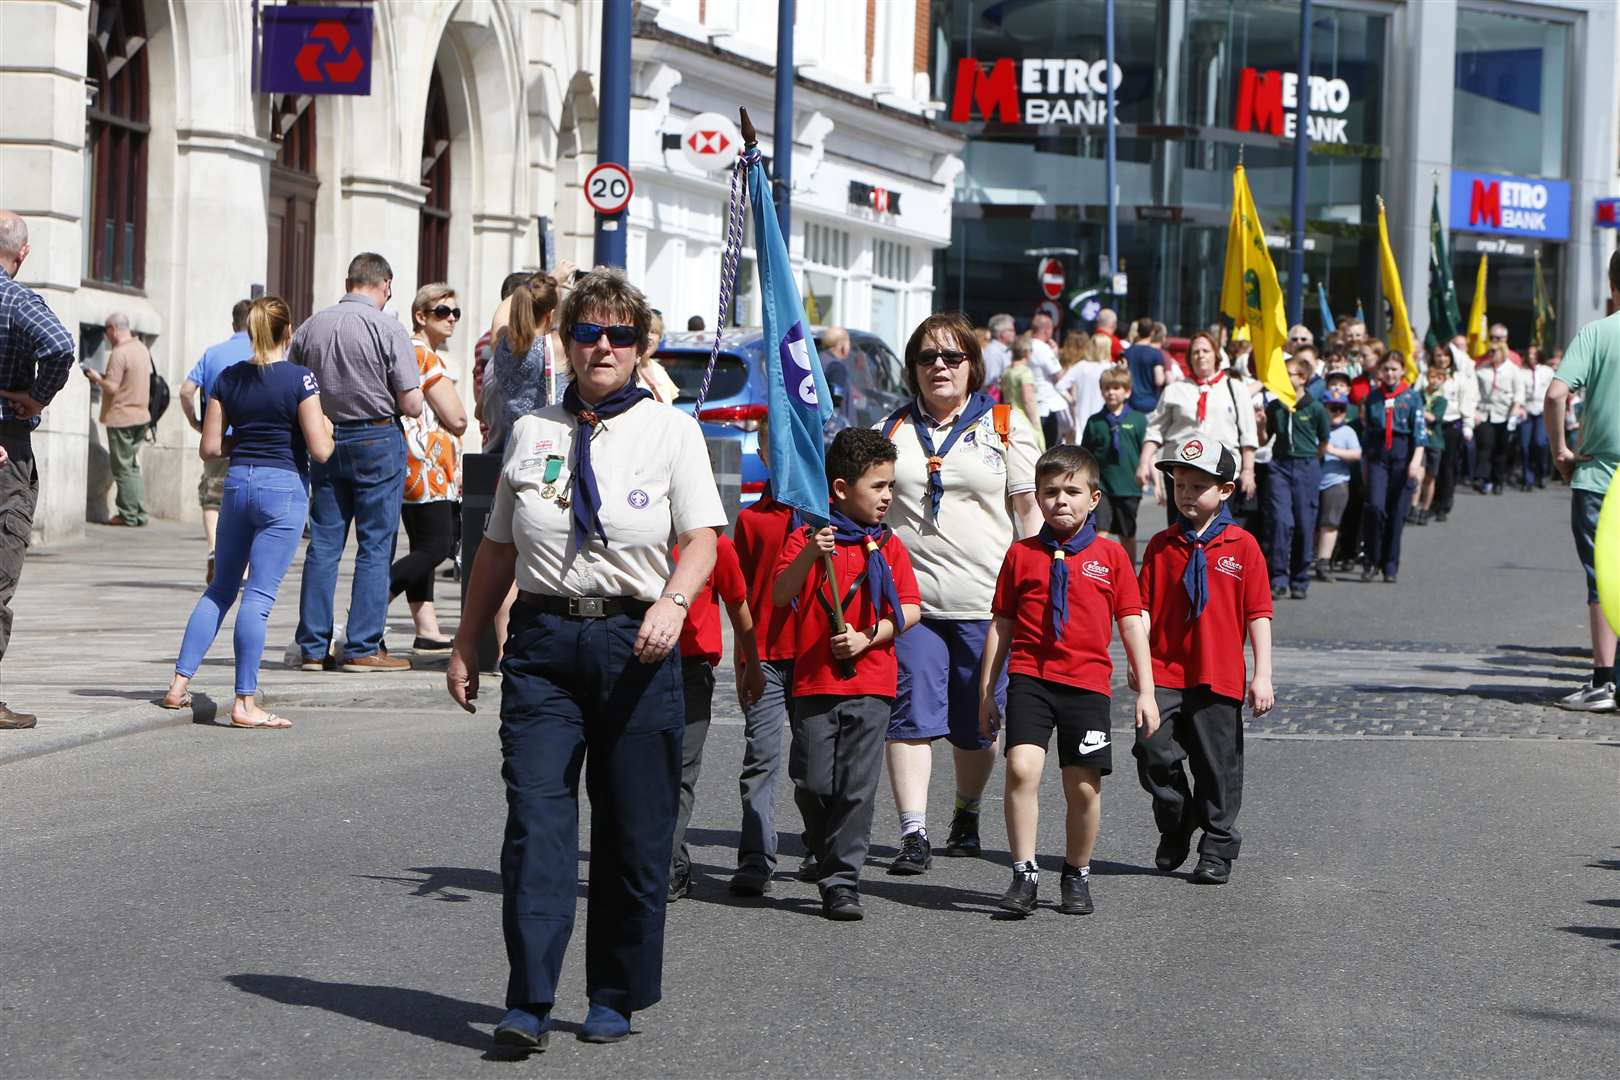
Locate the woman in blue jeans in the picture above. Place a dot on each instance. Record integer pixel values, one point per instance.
(273, 410)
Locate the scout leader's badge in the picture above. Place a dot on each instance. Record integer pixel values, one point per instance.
(554, 464)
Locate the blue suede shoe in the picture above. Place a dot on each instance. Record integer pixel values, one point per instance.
(524, 1029)
(604, 1024)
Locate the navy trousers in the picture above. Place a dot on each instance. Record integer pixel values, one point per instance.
(1389, 497)
(1292, 489)
(573, 696)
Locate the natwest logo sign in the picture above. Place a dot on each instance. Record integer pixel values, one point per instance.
(1033, 91)
(1509, 205)
(310, 50)
(1267, 101)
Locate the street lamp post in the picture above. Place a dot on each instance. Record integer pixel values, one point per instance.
(1302, 97)
(782, 162)
(613, 128)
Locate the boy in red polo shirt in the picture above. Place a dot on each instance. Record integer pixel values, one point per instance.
(844, 683)
(1206, 588)
(700, 654)
(760, 532)
(1057, 598)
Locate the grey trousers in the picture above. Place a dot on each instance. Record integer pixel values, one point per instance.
(835, 761)
(764, 725)
(697, 680)
(19, 492)
(124, 448)
(1205, 730)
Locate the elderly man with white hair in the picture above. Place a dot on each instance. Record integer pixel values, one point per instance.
(36, 355)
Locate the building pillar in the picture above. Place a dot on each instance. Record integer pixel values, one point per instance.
(42, 59)
(1425, 37)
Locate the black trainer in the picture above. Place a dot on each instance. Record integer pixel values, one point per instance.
(809, 869)
(1212, 870)
(916, 855)
(1172, 852)
(680, 883)
(749, 885)
(963, 840)
(1296, 593)
(1321, 571)
(1076, 895)
(842, 904)
(1368, 573)
(1020, 895)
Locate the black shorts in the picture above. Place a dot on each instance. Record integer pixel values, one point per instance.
(1330, 506)
(1116, 514)
(1081, 717)
(1431, 460)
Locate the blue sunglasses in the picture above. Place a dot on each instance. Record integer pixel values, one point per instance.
(589, 333)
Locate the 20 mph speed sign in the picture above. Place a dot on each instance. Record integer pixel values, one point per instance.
(608, 188)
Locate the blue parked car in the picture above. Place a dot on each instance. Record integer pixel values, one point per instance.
(871, 388)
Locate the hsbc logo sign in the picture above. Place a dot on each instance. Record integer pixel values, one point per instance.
(1509, 205)
(1033, 91)
(1267, 101)
(707, 142)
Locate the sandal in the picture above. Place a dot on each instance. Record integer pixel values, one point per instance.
(185, 702)
(270, 721)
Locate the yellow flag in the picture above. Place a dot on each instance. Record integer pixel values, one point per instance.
(1478, 337)
(1400, 329)
(1250, 295)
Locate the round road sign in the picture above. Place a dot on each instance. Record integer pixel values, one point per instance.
(1050, 309)
(1049, 273)
(710, 141)
(608, 188)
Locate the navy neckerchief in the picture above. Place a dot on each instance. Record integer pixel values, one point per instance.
(1058, 584)
(587, 500)
(1195, 579)
(974, 411)
(1114, 420)
(877, 573)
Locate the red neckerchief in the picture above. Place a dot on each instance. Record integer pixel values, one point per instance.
(1389, 412)
(1204, 388)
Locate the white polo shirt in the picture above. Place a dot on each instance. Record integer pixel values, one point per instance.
(652, 470)
(1228, 415)
(957, 559)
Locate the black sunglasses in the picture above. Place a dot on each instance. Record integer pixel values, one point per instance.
(445, 312)
(589, 333)
(953, 359)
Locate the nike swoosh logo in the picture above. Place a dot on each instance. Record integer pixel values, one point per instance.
(1084, 749)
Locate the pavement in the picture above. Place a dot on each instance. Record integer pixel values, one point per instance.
(1428, 883)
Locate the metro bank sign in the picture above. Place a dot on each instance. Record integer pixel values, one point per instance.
(1035, 91)
(1509, 205)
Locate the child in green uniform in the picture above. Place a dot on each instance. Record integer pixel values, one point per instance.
(1434, 443)
(1114, 437)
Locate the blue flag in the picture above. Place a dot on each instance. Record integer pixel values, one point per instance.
(1328, 323)
(1361, 313)
(797, 396)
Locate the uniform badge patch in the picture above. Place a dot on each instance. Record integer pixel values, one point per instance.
(638, 499)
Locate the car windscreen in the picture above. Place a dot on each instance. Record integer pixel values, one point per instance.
(686, 368)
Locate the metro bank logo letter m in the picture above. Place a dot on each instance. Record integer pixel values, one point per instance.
(994, 92)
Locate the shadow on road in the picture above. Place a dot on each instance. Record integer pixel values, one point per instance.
(415, 1012)
(440, 882)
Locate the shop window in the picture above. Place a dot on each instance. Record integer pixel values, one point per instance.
(826, 246)
(433, 236)
(116, 131)
(291, 211)
(891, 260)
(1509, 110)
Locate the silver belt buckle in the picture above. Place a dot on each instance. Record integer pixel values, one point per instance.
(587, 607)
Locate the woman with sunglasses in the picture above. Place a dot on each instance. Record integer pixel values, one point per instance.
(964, 490)
(595, 491)
(432, 466)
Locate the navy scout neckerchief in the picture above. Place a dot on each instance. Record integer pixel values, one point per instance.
(978, 405)
(1058, 584)
(877, 571)
(1195, 579)
(1114, 420)
(587, 501)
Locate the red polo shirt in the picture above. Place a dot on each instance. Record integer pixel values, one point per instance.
(700, 634)
(1208, 652)
(814, 670)
(1360, 387)
(760, 532)
(1102, 589)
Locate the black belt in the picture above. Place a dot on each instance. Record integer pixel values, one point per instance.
(381, 421)
(585, 607)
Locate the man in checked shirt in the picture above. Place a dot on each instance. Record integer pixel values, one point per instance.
(36, 355)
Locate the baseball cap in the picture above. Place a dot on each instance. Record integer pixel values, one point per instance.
(1336, 395)
(1204, 454)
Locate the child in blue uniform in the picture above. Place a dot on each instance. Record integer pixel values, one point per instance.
(1392, 436)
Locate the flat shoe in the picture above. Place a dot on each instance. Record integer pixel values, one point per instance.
(427, 644)
(271, 722)
(185, 703)
(604, 1024)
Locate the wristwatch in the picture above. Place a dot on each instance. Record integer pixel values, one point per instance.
(679, 598)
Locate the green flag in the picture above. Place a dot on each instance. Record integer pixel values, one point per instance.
(1445, 317)
(1545, 315)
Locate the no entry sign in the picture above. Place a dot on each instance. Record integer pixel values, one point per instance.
(608, 188)
(1049, 272)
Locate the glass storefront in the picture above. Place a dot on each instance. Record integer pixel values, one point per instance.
(1196, 83)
